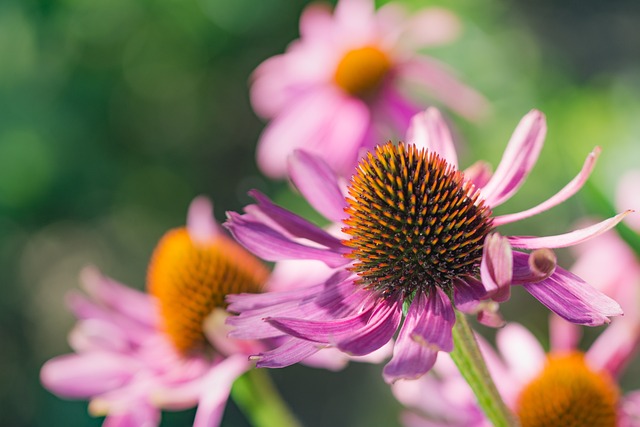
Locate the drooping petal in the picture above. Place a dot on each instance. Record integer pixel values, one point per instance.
(533, 267)
(496, 267)
(429, 131)
(271, 245)
(436, 322)
(318, 184)
(566, 239)
(216, 387)
(569, 190)
(571, 298)
(467, 294)
(290, 352)
(86, 375)
(442, 83)
(200, 223)
(518, 159)
(412, 356)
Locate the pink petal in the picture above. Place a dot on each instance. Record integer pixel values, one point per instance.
(518, 159)
(436, 322)
(564, 336)
(316, 21)
(140, 414)
(569, 190)
(496, 268)
(87, 375)
(571, 298)
(290, 352)
(467, 294)
(200, 223)
(412, 356)
(628, 196)
(441, 82)
(96, 334)
(216, 387)
(395, 108)
(429, 131)
(479, 173)
(318, 184)
(521, 351)
(567, 239)
(271, 245)
(615, 347)
(271, 88)
(432, 26)
(325, 122)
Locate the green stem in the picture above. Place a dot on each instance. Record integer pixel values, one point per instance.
(467, 357)
(260, 401)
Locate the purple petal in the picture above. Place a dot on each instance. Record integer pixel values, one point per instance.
(380, 328)
(216, 387)
(496, 268)
(533, 267)
(318, 184)
(569, 190)
(200, 223)
(87, 375)
(467, 293)
(436, 322)
(518, 159)
(567, 239)
(441, 82)
(429, 131)
(290, 352)
(571, 298)
(412, 356)
(271, 245)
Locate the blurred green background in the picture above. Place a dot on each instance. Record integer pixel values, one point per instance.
(114, 114)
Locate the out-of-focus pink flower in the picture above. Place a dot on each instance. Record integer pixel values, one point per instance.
(420, 236)
(136, 354)
(563, 387)
(340, 88)
(628, 194)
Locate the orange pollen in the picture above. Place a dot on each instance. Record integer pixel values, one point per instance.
(361, 71)
(568, 393)
(414, 221)
(190, 279)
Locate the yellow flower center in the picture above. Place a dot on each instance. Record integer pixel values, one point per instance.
(190, 279)
(361, 71)
(568, 393)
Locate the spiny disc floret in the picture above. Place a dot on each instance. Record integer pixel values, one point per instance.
(414, 221)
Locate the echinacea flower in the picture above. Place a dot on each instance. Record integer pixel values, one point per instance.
(420, 240)
(341, 87)
(138, 353)
(565, 387)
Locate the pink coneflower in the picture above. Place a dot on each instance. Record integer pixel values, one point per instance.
(420, 240)
(338, 89)
(565, 387)
(138, 353)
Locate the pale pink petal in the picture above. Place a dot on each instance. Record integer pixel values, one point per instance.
(496, 268)
(316, 21)
(216, 387)
(412, 355)
(479, 173)
(271, 87)
(87, 375)
(429, 131)
(357, 16)
(329, 358)
(569, 190)
(325, 122)
(290, 274)
(432, 26)
(615, 347)
(200, 223)
(393, 109)
(96, 334)
(564, 336)
(567, 239)
(628, 197)
(140, 414)
(518, 159)
(630, 410)
(521, 351)
(318, 184)
(441, 82)
(572, 299)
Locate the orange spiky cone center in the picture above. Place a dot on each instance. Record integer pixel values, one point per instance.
(568, 393)
(190, 279)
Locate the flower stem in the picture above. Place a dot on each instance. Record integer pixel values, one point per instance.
(257, 397)
(467, 357)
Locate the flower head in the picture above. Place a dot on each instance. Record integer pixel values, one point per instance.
(138, 353)
(337, 89)
(418, 236)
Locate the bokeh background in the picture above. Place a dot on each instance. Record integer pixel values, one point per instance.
(114, 114)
